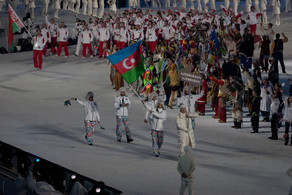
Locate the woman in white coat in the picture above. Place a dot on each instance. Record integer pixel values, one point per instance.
(91, 115)
(266, 92)
(158, 118)
(185, 130)
(277, 12)
(287, 116)
(264, 11)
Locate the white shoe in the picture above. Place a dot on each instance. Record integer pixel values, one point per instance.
(66, 56)
(91, 56)
(83, 57)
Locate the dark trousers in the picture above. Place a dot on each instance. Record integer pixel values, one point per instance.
(167, 93)
(278, 56)
(274, 125)
(255, 122)
(287, 126)
(265, 115)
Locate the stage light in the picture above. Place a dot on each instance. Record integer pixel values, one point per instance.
(73, 176)
(97, 190)
(37, 160)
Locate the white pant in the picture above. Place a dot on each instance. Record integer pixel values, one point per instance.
(101, 8)
(84, 7)
(77, 8)
(45, 7)
(65, 4)
(213, 6)
(78, 45)
(183, 4)
(235, 6)
(56, 13)
(277, 23)
(287, 6)
(199, 8)
(89, 7)
(226, 4)
(187, 183)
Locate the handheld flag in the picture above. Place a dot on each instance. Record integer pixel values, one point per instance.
(129, 62)
(67, 103)
(14, 25)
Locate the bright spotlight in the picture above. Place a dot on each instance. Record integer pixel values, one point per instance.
(73, 176)
(97, 190)
(37, 160)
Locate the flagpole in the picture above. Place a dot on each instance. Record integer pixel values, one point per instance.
(135, 91)
(19, 20)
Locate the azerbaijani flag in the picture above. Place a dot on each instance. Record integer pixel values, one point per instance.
(129, 62)
(14, 25)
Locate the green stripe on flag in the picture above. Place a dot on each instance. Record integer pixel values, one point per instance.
(14, 27)
(12, 46)
(133, 74)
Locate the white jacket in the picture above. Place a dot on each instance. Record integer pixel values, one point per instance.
(137, 35)
(103, 34)
(185, 101)
(185, 130)
(151, 34)
(117, 34)
(266, 99)
(53, 28)
(39, 43)
(90, 113)
(86, 37)
(253, 18)
(167, 32)
(124, 35)
(151, 106)
(63, 34)
(122, 110)
(159, 116)
(46, 34)
(274, 106)
(288, 111)
(186, 164)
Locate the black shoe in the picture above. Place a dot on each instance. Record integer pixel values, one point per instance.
(90, 144)
(255, 131)
(118, 140)
(284, 72)
(238, 125)
(156, 155)
(129, 139)
(286, 139)
(235, 124)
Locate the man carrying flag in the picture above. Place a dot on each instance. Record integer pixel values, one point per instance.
(14, 25)
(129, 63)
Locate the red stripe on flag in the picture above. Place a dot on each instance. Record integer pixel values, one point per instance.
(10, 33)
(130, 62)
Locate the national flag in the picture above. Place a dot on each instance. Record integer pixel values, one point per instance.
(14, 25)
(129, 62)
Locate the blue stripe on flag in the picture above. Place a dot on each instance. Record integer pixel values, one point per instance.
(124, 53)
